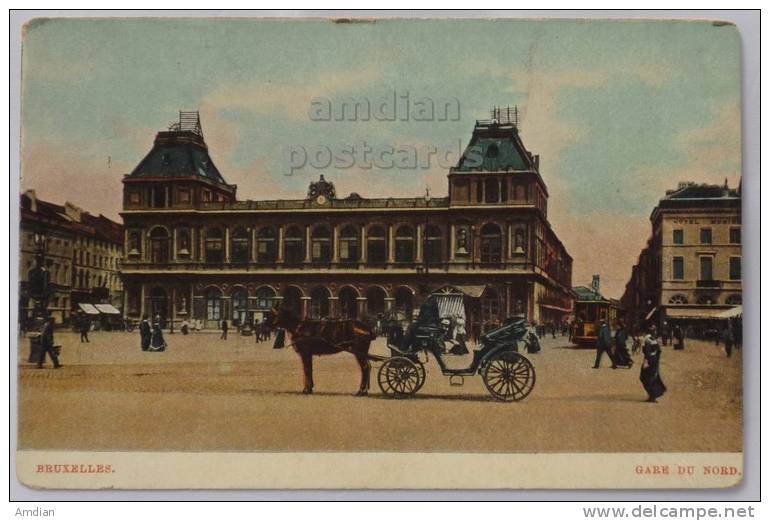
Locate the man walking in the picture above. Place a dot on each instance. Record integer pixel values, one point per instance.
(46, 345)
(84, 325)
(727, 336)
(603, 344)
(145, 333)
(224, 330)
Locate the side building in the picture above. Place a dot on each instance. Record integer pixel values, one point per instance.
(690, 271)
(195, 252)
(80, 251)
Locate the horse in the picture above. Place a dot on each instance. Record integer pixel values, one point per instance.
(326, 337)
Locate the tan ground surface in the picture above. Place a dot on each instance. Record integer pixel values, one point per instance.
(208, 394)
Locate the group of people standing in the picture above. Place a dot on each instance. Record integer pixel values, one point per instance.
(151, 335)
(618, 354)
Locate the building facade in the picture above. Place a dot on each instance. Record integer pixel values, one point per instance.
(80, 251)
(195, 252)
(690, 270)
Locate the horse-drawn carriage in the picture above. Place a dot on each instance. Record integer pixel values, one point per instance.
(438, 330)
(508, 375)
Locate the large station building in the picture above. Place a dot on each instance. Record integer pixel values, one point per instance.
(194, 251)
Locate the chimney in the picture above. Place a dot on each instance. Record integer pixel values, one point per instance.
(72, 211)
(32, 200)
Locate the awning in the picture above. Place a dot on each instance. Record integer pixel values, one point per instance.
(732, 312)
(695, 313)
(651, 313)
(107, 309)
(88, 309)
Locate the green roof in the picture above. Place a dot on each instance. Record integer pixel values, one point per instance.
(178, 154)
(495, 147)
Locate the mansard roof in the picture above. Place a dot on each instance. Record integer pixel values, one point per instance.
(494, 147)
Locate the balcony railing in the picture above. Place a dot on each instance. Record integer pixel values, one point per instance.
(417, 267)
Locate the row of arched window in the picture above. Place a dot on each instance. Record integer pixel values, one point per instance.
(374, 302)
(321, 247)
(732, 300)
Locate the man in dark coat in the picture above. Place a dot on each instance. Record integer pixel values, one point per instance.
(604, 344)
(84, 325)
(145, 333)
(224, 330)
(727, 336)
(46, 345)
(678, 337)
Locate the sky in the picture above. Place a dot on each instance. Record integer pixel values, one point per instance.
(619, 111)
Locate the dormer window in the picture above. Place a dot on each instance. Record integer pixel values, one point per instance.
(493, 151)
(165, 159)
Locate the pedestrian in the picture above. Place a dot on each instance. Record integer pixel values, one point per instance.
(603, 344)
(280, 339)
(665, 333)
(185, 327)
(47, 346)
(145, 333)
(224, 330)
(553, 329)
(650, 373)
(533, 340)
(678, 337)
(84, 325)
(727, 336)
(157, 342)
(622, 356)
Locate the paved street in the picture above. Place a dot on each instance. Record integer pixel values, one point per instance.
(208, 394)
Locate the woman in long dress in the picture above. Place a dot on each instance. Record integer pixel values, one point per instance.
(650, 373)
(157, 343)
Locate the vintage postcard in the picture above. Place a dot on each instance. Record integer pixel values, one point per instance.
(379, 253)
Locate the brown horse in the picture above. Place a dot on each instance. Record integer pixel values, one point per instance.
(326, 337)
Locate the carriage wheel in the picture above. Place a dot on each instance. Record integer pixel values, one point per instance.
(400, 377)
(509, 377)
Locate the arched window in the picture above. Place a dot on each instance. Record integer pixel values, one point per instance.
(734, 300)
(433, 244)
(158, 304)
(214, 245)
(405, 301)
(706, 300)
(267, 245)
(239, 302)
(159, 246)
(405, 237)
(491, 243)
(213, 304)
(348, 303)
(678, 299)
(491, 190)
(321, 244)
(294, 245)
(265, 298)
(377, 245)
(319, 303)
(239, 246)
(349, 244)
(375, 301)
